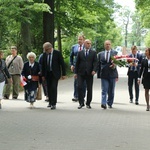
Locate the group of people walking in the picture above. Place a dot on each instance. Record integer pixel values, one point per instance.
(85, 63)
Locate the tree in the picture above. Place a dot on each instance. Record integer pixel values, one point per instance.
(147, 39)
(20, 13)
(48, 23)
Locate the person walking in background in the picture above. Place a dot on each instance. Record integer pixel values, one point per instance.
(133, 72)
(108, 74)
(4, 74)
(73, 56)
(145, 74)
(85, 69)
(44, 82)
(31, 74)
(14, 64)
(53, 67)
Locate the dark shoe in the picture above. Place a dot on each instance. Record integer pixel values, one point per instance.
(49, 105)
(74, 99)
(6, 97)
(104, 106)
(14, 97)
(88, 106)
(53, 107)
(46, 100)
(131, 101)
(0, 106)
(110, 106)
(80, 106)
(147, 109)
(136, 103)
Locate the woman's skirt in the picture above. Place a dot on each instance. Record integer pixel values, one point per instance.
(30, 96)
(146, 83)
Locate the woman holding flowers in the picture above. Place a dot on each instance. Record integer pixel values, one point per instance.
(145, 73)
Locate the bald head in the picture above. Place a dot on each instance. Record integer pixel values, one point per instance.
(87, 44)
(107, 45)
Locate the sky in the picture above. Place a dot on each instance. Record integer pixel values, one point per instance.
(129, 3)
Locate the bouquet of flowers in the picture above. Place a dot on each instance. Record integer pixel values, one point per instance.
(122, 61)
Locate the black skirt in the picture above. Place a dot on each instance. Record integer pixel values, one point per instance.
(146, 82)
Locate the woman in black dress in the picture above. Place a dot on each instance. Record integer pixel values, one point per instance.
(145, 73)
(30, 73)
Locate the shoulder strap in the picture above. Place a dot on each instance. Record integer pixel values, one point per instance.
(11, 62)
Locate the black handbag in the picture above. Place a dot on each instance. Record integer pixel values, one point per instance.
(6, 79)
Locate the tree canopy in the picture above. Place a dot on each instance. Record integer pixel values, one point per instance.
(22, 24)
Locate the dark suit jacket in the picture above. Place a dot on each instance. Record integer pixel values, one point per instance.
(104, 69)
(58, 65)
(86, 64)
(139, 57)
(144, 69)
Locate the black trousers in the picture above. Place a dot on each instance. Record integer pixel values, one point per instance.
(89, 82)
(52, 84)
(132, 79)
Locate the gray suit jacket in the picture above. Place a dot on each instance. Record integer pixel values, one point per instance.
(104, 69)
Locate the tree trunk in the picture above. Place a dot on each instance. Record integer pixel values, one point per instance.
(126, 35)
(48, 23)
(26, 39)
(59, 38)
(58, 27)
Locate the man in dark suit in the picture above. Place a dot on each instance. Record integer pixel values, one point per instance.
(53, 68)
(73, 57)
(108, 74)
(133, 72)
(86, 66)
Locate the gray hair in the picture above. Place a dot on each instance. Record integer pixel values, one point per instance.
(31, 54)
(47, 45)
(14, 47)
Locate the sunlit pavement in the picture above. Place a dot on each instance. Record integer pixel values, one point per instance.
(124, 127)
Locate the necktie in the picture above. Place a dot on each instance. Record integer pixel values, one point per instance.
(107, 54)
(49, 62)
(86, 53)
(133, 67)
(80, 48)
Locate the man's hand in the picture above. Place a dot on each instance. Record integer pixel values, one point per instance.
(75, 76)
(93, 73)
(43, 78)
(72, 68)
(63, 77)
(10, 81)
(138, 81)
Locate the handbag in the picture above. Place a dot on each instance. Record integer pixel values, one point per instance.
(6, 78)
(39, 93)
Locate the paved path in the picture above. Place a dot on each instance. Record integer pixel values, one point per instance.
(125, 127)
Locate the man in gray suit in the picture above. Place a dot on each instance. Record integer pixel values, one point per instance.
(108, 74)
(86, 66)
(73, 57)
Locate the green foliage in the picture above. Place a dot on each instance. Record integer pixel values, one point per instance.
(147, 39)
(144, 9)
(92, 18)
